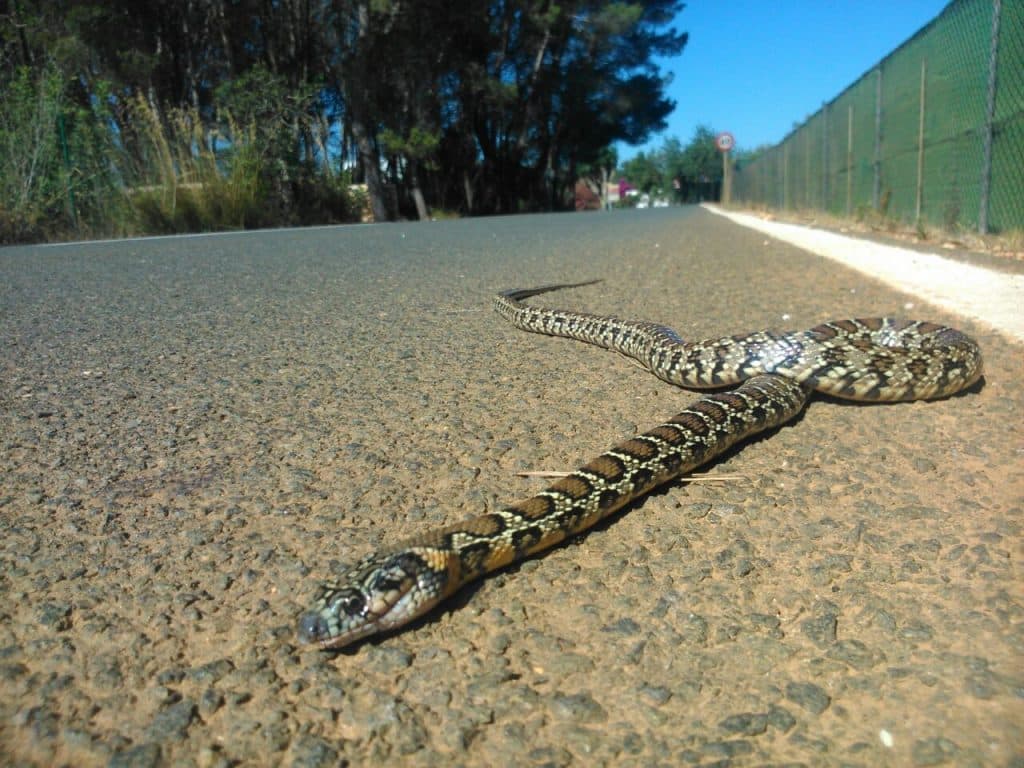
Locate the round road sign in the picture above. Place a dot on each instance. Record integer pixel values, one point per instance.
(724, 141)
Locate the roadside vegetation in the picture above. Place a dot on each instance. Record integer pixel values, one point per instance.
(127, 117)
(690, 173)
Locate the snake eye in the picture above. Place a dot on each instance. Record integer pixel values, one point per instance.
(354, 605)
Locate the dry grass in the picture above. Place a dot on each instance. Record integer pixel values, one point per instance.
(1008, 245)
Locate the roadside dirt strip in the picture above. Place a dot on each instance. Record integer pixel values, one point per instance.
(196, 431)
(992, 296)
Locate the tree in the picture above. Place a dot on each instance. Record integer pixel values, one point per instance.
(566, 82)
(485, 105)
(644, 172)
(598, 174)
(694, 172)
(699, 167)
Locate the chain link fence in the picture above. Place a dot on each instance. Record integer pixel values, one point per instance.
(933, 135)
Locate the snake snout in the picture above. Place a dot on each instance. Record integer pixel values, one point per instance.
(313, 627)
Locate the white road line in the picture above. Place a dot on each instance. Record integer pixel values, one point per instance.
(994, 298)
(198, 235)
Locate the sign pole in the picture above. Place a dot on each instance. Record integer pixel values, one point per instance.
(726, 179)
(724, 142)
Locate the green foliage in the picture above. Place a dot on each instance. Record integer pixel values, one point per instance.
(266, 102)
(520, 96)
(196, 187)
(700, 160)
(419, 144)
(55, 171)
(33, 182)
(602, 166)
(693, 172)
(182, 187)
(256, 96)
(645, 172)
(260, 113)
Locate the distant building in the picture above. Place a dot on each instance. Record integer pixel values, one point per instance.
(586, 198)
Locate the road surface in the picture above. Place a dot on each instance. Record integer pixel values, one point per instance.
(198, 430)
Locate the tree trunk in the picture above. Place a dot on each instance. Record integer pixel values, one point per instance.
(467, 184)
(421, 203)
(371, 168)
(416, 189)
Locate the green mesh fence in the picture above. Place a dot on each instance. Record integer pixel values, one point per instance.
(932, 135)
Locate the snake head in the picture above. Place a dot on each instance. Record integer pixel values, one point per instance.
(380, 592)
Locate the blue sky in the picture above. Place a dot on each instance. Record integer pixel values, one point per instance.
(757, 68)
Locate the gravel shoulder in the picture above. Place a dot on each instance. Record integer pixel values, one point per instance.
(195, 431)
(992, 296)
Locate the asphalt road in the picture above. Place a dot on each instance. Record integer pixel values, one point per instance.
(195, 431)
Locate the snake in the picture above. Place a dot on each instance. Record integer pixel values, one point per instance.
(758, 380)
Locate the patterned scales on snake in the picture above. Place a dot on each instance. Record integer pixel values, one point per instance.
(877, 359)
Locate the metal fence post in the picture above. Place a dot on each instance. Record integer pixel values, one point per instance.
(779, 177)
(824, 157)
(849, 159)
(876, 190)
(807, 167)
(920, 148)
(785, 176)
(990, 108)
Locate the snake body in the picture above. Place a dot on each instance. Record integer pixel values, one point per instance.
(773, 374)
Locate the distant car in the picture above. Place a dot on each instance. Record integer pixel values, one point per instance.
(660, 204)
(644, 201)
